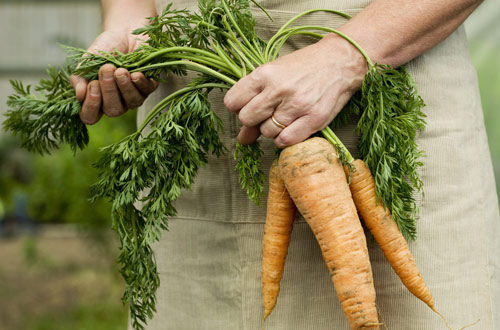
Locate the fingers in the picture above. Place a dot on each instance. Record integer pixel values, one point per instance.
(118, 90)
(130, 94)
(248, 135)
(296, 132)
(269, 116)
(258, 109)
(144, 85)
(269, 129)
(91, 107)
(121, 90)
(243, 91)
(111, 102)
(296, 129)
(113, 94)
(80, 86)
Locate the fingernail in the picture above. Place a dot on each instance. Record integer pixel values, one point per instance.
(94, 90)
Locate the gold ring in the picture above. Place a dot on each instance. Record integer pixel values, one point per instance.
(277, 123)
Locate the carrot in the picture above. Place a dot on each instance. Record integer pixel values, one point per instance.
(277, 231)
(314, 178)
(386, 232)
(384, 229)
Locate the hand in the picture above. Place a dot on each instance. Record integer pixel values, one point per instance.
(303, 91)
(117, 90)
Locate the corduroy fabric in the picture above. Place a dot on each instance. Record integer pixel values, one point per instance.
(209, 261)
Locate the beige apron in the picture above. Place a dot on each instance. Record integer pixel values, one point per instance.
(209, 261)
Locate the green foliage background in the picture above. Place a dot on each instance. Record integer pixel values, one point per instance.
(57, 186)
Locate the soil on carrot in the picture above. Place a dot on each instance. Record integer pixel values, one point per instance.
(57, 279)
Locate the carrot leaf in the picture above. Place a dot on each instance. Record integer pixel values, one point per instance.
(390, 121)
(249, 165)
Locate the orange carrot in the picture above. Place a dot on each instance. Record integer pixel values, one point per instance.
(386, 232)
(277, 230)
(315, 179)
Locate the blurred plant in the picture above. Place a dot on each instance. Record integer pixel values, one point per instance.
(103, 315)
(15, 169)
(57, 186)
(30, 251)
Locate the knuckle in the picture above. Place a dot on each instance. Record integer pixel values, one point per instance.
(244, 118)
(123, 80)
(228, 102)
(124, 83)
(283, 89)
(266, 132)
(274, 93)
(302, 104)
(108, 87)
(91, 102)
(319, 119)
(92, 98)
(264, 71)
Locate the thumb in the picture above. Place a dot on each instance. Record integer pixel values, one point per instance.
(80, 86)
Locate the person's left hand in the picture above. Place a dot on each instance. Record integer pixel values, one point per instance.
(303, 92)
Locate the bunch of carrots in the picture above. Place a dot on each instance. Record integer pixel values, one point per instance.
(221, 44)
(310, 177)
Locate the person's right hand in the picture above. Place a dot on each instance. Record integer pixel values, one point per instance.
(117, 90)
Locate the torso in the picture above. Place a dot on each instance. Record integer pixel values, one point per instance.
(209, 261)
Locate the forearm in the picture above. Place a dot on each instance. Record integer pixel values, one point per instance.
(395, 32)
(126, 14)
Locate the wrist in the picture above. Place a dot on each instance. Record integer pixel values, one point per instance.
(365, 37)
(353, 64)
(126, 15)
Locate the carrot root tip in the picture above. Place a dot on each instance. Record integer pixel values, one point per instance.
(442, 317)
(266, 314)
(470, 325)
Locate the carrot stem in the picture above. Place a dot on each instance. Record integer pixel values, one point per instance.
(333, 139)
